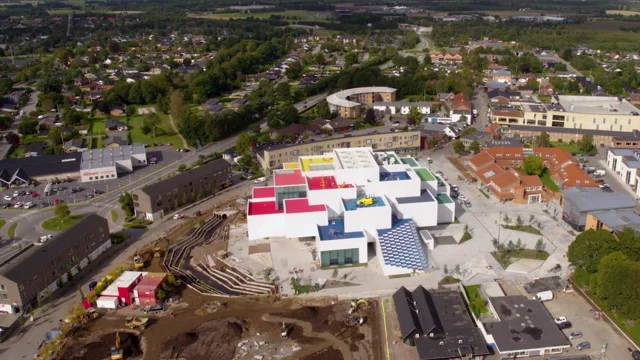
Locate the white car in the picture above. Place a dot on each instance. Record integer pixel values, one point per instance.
(177, 217)
(8, 197)
(560, 319)
(462, 198)
(44, 238)
(28, 205)
(440, 173)
(18, 205)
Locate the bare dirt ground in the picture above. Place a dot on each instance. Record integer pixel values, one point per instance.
(239, 329)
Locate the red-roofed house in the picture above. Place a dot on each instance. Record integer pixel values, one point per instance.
(146, 292)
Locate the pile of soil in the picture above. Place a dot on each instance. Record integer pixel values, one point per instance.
(297, 334)
(215, 339)
(320, 318)
(329, 353)
(101, 349)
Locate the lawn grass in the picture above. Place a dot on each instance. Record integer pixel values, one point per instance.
(504, 257)
(544, 98)
(476, 302)
(545, 178)
(399, 276)
(114, 216)
(12, 230)
(448, 280)
(523, 228)
(57, 224)
(571, 148)
(164, 132)
(16, 152)
(2, 223)
(581, 278)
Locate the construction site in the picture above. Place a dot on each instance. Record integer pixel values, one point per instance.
(221, 310)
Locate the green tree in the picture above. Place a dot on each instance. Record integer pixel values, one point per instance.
(318, 59)
(612, 285)
(294, 71)
(370, 116)
(243, 142)
(27, 125)
(458, 147)
(586, 145)
(126, 203)
(533, 165)
(129, 111)
(62, 210)
(152, 121)
(135, 94)
(176, 102)
(475, 147)
(350, 59)
(414, 115)
(433, 142)
(543, 140)
(591, 246)
(539, 245)
(283, 91)
(182, 167)
(322, 110)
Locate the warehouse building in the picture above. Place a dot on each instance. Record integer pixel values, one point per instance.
(107, 163)
(158, 199)
(39, 168)
(578, 202)
(40, 268)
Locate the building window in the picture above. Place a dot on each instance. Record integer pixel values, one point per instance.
(5, 297)
(90, 178)
(3, 288)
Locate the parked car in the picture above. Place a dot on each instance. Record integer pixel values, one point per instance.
(583, 345)
(34, 195)
(22, 193)
(602, 186)
(177, 217)
(560, 319)
(18, 205)
(439, 173)
(88, 195)
(635, 355)
(575, 335)
(564, 325)
(44, 204)
(8, 197)
(28, 205)
(462, 197)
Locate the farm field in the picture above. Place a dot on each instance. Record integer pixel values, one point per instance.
(286, 15)
(164, 133)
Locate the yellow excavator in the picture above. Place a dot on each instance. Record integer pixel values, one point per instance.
(365, 201)
(116, 351)
(138, 263)
(356, 304)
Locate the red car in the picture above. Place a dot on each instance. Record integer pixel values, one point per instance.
(34, 195)
(57, 202)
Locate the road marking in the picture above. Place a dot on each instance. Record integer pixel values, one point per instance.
(386, 337)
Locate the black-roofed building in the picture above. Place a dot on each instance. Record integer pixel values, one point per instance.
(438, 324)
(35, 148)
(44, 266)
(158, 199)
(522, 328)
(112, 124)
(40, 168)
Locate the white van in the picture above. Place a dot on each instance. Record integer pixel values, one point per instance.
(599, 173)
(544, 296)
(260, 180)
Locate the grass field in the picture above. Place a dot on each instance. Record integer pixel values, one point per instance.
(58, 224)
(164, 133)
(545, 178)
(287, 15)
(114, 216)
(623, 12)
(12, 230)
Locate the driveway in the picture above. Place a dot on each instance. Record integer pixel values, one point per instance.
(480, 102)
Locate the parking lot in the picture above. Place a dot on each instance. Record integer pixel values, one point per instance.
(71, 190)
(597, 332)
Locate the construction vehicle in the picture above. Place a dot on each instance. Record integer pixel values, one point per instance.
(138, 263)
(92, 314)
(284, 332)
(366, 201)
(353, 319)
(133, 322)
(116, 351)
(356, 304)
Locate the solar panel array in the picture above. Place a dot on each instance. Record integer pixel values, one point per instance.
(401, 246)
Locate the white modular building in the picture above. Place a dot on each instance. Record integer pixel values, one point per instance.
(350, 198)
(107, 163)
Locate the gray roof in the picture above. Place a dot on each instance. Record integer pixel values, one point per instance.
(508, 142)
(592, 199)
(35, 258)
(98, 158)
(619, 219)
(579, 132)
(424, 196)
(480, 136)
(164, 186)
(442, 313)
(524, 324)
(112, 123)
(44, 165)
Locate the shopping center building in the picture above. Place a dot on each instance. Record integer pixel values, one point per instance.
(350, 200)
